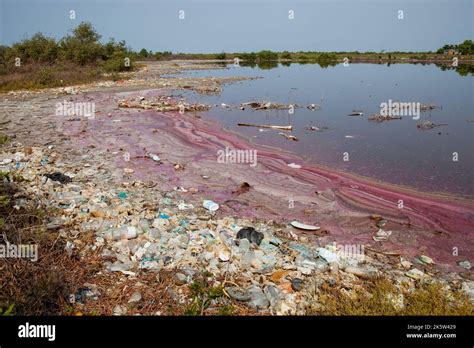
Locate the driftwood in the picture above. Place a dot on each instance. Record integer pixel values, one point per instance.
(288, 128)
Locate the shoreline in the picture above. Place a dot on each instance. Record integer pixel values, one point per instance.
(343, 198)
(156, 205)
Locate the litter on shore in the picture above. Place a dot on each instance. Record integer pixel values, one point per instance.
(162, 104)
(302, 226)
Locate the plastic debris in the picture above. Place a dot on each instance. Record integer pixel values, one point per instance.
(60, 177)
(303, 226)
(382, 235)
(251, 235)
(294, 166)
(210, 205)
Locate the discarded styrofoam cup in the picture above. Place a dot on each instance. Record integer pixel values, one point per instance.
(210, 205)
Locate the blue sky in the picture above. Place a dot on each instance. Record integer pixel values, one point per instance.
(246, 25)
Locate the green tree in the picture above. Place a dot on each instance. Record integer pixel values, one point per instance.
(83, 46)
(37, 49)
(143, 53)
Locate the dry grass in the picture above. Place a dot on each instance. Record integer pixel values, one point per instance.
(37, 76)
(382, 297)
(34, 287)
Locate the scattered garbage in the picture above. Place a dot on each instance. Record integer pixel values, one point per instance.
(243, 187)
(210, 205)
(382, 235)
(294, 165)
(162, 103)
(465, 264)
(415, 274)
(60, 177)
(289, 128)
(425, 259)
(328, 255)
(154, 157)
(136, 297)
(238, 294)
(302, 226)
(251, 235)
(297, 284)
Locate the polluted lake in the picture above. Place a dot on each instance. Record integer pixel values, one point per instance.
(334, 115)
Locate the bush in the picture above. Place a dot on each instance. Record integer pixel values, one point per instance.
(221, 56)
(267, 55)
(83, 47)
(45, 78)
(38, 49)
(117, 64)
(286, 55)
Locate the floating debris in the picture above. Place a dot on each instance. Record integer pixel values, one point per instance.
(381, 118)
(314, 107)
(289, 137)
(269, 105)
(427, 124)
(289, 128)
(427, 107)
(315, 128)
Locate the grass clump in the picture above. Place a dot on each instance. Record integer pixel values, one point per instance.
(382, 297)
(202, 294)
(4, 139)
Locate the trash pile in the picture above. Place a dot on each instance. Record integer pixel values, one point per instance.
(162, 103)
(138, 228)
